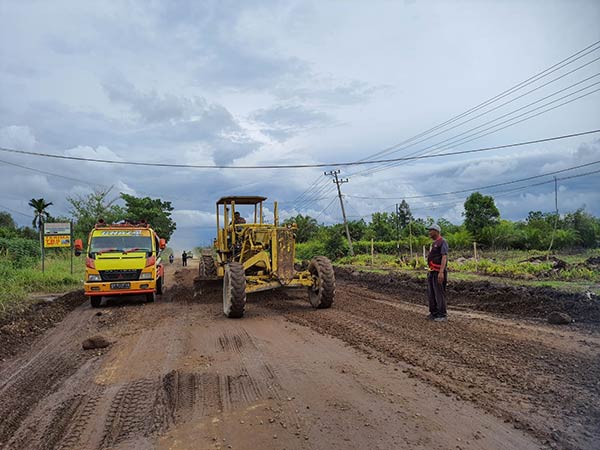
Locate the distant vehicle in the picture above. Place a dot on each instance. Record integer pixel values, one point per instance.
(122, 259)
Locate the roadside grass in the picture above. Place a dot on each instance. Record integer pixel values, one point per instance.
(508, 267)
(20, 281)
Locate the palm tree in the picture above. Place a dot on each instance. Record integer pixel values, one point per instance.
(39, 206)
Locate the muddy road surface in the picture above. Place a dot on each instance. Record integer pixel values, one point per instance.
(369, 373)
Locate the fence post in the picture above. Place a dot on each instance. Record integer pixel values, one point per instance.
(372, 253)
(475, 254)
(424, 255)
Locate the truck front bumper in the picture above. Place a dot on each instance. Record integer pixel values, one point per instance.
(108, 288)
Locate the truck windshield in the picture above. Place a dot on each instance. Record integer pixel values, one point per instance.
(107, 244)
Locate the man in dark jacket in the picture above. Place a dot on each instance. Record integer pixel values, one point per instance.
(437, 277)
(184, 258)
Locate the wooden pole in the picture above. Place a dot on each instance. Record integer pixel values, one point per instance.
(372, 253)
(475, 254)
(42, 244)
(71, 248)
(424, 255)
(410, 237)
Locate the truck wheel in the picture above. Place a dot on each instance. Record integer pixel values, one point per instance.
(159, 286)
(234, 290)
(150, 297)
(207, 270)
(95, 301)
(322, 292)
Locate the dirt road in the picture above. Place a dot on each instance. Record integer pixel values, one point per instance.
(178, 375)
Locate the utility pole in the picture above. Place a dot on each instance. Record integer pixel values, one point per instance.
(337, 182)
(398, 229)
(556, 216)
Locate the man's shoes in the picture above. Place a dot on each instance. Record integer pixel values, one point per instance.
(440, 319)
(430, 317)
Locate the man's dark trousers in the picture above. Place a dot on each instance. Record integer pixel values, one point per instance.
(436, 293)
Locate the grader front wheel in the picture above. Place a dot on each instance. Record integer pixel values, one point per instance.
(234, 290)
(322, 292)
(207, 270)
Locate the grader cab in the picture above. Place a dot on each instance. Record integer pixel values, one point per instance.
(252, 256)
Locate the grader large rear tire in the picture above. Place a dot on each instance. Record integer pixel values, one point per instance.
(234, 290)
(207, 270)
(322, 292)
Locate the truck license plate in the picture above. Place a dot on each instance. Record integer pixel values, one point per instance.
(120, 285)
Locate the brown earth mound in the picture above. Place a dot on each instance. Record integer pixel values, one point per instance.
(17, 329)
(521, 301)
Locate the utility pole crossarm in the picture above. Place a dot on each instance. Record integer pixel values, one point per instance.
(338, 182)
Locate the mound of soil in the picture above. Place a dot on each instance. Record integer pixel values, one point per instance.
(519, 301)
(19, 328)
(94, 342)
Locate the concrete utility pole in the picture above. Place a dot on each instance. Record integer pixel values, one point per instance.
(337, 182)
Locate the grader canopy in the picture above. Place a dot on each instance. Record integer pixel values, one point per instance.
(251, 255)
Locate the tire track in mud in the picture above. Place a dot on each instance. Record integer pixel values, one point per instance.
(513, 376)
(22, 394)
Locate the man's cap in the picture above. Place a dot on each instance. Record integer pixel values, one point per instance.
(435, 227)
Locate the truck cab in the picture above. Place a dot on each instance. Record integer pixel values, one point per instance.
(122, 259)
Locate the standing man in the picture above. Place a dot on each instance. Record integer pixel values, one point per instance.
(437, 277)
(184, 258)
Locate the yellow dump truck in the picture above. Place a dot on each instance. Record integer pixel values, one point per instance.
(122, 259)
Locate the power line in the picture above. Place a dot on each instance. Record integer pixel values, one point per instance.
(309, 188)
(327, 207)
(51, 174)
(297, 166)
(495, 194)
(504, 115)
(469, 138)
(15, 211)
(439, 194)
(569, 60)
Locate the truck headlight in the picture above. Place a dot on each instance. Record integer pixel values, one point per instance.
(94, 277)
(146, 276)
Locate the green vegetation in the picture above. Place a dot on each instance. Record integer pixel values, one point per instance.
(87, 209)
(23, 277)
(395, 233)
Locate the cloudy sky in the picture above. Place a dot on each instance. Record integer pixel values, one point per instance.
(283, 82)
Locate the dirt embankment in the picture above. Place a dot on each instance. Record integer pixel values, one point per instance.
(20, 328)
(518, 301)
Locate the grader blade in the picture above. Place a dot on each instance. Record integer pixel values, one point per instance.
(285, 271)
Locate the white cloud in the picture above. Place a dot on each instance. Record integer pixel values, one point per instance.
(276, 82)
(17, 137)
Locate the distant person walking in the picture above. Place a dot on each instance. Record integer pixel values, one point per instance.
(437, 278)
(171, 258)
(184, 258)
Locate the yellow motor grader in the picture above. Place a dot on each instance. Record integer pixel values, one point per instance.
(258, 256)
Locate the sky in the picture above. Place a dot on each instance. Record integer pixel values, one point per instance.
(297, 82)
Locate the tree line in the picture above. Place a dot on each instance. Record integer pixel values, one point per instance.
(22, 243)
(393, 232)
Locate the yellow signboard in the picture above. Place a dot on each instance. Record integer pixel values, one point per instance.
(57, 240)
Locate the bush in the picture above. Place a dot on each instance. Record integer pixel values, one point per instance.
(19, 251)
(307, 250)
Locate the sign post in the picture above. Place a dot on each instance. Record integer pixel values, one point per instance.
(58, 235)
